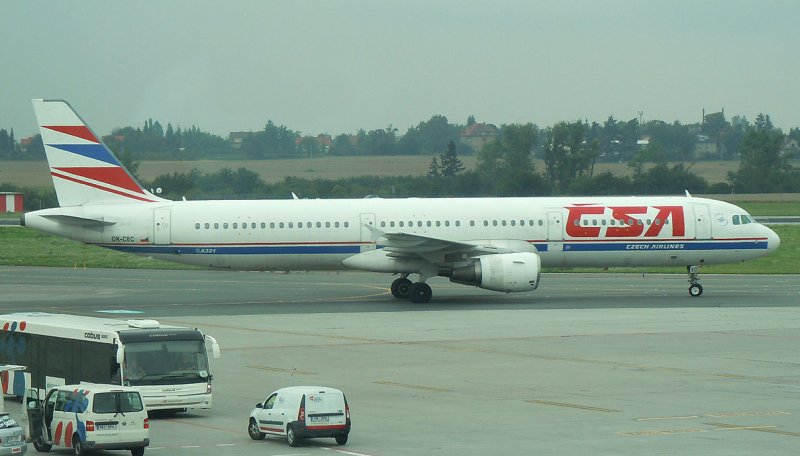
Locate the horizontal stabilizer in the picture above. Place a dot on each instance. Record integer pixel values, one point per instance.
(77, 220)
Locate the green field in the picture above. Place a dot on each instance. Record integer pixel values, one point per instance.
(36, 174)
(27, 247)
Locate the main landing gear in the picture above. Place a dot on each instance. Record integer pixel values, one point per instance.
(695, 289)
(418, 293)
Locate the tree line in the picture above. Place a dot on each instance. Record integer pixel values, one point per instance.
(504, 167)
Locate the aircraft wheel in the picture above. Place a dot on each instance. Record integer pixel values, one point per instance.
(401, 288)
(695, 290)
(420, 293)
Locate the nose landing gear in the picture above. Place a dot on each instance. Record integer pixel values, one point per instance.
(695, 289)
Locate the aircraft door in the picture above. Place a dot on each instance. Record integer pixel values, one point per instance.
(702, 221)
(368, 238)
(162, 229)
(555, 239)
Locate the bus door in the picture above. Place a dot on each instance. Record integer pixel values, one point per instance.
(161, 226)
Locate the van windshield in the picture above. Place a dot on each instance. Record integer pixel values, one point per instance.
(117, 402)
(166, 362)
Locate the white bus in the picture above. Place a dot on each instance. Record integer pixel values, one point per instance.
(167, 364)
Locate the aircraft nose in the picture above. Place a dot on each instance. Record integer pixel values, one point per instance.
(773, 240)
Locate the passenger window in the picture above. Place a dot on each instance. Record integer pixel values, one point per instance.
(485, 223)
(458, 222)
(216, 226)
(272, 225)
(429, 224)
(401, 223)
(197, 226)
(319, 224)
(263, 225)
(447, 223)
(503, 222)
(235, 225)
(472, 223)
(438, 223)
(346, 224)
(225, 225)
(207, 226)
(391, 224)
(104, 403)
(61, 400)
(327, 224)
(336, 224)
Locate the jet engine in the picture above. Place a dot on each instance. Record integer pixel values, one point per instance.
(501, 272)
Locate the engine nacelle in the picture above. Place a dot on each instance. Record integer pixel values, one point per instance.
(503, 272)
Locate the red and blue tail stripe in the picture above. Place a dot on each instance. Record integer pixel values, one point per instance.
(84, 170)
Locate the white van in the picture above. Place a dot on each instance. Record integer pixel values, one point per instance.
(89, 416)
(300, 412)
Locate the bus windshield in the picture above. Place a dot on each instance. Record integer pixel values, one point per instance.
(165, 362)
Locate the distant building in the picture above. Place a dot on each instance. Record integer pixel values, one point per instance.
(478, 134)
(790, 146)
(11, 202)
(236, 138)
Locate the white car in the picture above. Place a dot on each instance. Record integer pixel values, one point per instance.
(87, 417)
(300, 412)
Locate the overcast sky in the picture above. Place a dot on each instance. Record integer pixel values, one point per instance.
(337, 66)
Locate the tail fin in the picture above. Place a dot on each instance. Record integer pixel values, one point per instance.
(84, 170)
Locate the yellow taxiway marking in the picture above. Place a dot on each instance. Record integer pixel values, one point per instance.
(419, 387)
(770, 429)
(281, 369)
(564, 404)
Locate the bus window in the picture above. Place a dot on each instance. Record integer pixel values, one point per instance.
(169, 361)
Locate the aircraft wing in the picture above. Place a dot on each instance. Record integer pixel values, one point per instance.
(439, 250)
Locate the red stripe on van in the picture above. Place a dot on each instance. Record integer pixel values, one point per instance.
(321, 428)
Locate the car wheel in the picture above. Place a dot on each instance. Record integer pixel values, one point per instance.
(138, 451)
(40, 446)
(77, 445)
(291, 437)
(253, 430)
(341, 439)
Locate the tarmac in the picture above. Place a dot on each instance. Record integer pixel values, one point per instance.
(609, 364)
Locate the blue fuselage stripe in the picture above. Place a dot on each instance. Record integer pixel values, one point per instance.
(315, 249)
(238, 250)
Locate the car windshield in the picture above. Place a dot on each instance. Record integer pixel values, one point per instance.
(166, 362)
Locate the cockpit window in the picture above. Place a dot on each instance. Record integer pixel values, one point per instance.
(742, 219)
(736, 220)
(746, 220)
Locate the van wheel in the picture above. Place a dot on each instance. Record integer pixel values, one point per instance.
(291, 437)
(77, 445)
(341, 439)
(40, 446)
(254, 431)
(138, 451)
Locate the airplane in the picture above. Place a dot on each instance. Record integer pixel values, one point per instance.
(498, 244)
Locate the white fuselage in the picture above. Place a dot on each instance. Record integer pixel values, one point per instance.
(320, 234)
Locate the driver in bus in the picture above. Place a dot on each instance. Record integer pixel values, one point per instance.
(133, 370)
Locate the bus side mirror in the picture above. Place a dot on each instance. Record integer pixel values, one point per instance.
(120, 353)
(214, 346)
